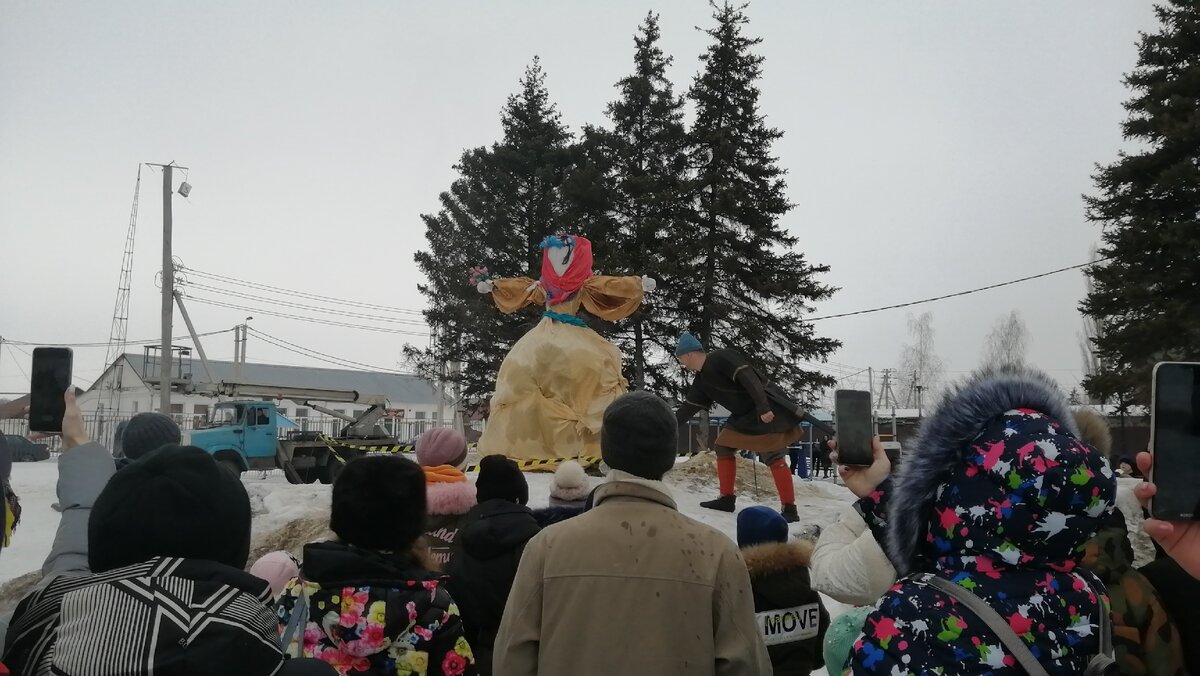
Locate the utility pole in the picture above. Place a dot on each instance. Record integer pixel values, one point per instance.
(874, 401)
(168, 293)
(168, 297)
(245, 340)
(918, 387)
(240, 334)
(237, 347)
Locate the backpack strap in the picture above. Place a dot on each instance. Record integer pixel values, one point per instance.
(1016, 647)
(299, 612)
(1106, 662)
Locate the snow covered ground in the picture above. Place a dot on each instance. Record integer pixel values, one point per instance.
(275, 503)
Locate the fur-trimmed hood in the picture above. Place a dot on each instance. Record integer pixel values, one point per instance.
(777, 557)
(997, 473)
(449, 498)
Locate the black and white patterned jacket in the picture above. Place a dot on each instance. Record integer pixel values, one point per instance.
(163, 616)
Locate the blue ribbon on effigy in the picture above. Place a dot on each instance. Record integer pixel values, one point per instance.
(565, 319)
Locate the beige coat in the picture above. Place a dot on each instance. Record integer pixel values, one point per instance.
(630, 587)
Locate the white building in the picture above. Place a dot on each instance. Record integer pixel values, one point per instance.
(412, 400)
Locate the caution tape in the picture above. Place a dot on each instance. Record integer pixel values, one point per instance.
(527, 464)
(386, 448)
(583, 460)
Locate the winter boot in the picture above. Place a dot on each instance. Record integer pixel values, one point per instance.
(789, 513)
(722, 504)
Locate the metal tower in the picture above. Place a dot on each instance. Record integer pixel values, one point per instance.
(120, 321)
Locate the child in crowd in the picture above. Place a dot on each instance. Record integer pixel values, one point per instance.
(145, 432)
(569, 490)
(276, 569)
(791, 619)
(442, 454)
(570, 486)
(369, 603)
(488, 550)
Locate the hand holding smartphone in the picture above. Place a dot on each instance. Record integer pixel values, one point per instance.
(49, 381)
(852, 417)
(1175, 441)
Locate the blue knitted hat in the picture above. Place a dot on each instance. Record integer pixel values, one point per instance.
(757, 525)
(687, 344)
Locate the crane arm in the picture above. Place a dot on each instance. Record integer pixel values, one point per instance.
(297, 394)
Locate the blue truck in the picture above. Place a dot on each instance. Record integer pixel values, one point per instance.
(251, 434)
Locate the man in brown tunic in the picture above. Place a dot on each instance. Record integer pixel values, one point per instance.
(758, 421)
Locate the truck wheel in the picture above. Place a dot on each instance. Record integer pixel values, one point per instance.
(231, 465)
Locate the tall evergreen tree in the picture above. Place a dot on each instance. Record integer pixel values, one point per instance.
(743, 283)
(506, 199)
(1146, 294)
(644, 184)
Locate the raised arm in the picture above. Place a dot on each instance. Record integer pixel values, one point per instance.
(509, 295)
(613, 298)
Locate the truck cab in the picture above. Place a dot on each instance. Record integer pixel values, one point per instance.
(241, 435)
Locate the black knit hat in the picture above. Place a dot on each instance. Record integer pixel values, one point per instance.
(175, 501)
(379, 503)
(500, 478)
(639, 435)
(146, 432)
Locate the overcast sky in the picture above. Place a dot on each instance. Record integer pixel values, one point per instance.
(931, 147)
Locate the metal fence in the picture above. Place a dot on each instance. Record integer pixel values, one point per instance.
(102, 427)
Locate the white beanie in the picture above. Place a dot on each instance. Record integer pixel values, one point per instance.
(570, 483)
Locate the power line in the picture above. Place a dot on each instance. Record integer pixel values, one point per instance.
(302, 306)
(149, 341)
(311, 320)
(17, 361)
(320, 356)
(960, 293)
(853, 374)
(301, 294)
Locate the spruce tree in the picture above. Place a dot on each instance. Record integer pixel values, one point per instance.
(643, 188)
(507, 198)
(743, 283)
(1146, 295)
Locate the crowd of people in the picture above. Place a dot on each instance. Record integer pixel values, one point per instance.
(994, 548)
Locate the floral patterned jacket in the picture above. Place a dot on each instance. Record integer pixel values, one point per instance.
(370, 612)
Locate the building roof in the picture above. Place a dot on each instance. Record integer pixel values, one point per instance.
(397, 387)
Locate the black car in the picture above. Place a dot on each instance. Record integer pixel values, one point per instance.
(24, 450)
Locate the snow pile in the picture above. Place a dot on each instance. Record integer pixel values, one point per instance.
(700, 473)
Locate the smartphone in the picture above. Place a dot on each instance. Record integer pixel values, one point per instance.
(48, 383)
(1175, 441)
(852, 417)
